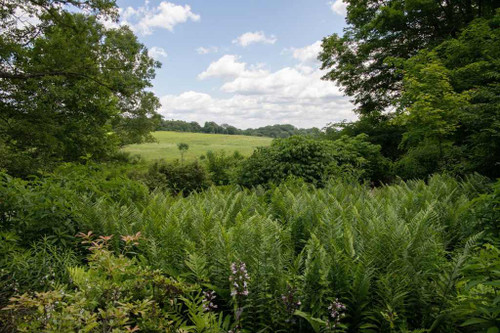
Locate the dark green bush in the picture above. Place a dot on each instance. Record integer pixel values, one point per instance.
(424, 160)
(222, 167)
(177, 177)
(49, 206)
(487, 212)
(314, 161)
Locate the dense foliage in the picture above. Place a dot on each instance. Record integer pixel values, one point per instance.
(345, 257)
(451, 99)
(314, 160)
(379, 31)
(177, 176)
(425, 78)
(223, 168)
(272, 131)
(315, 233)
(69, 88)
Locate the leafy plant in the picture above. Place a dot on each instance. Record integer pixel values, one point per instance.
(395, 255)
(177, 177)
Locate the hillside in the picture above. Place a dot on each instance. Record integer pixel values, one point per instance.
(199, 144)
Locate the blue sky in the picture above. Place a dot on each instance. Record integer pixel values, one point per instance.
(246, 63)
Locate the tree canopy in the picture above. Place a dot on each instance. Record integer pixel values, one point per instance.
(361, 60)
(70, 88)
(425, 77)
(272, 131)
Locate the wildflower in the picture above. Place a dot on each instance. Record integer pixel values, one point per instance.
(336, 310)
(208, 299)
(239, 273)
(290, 302)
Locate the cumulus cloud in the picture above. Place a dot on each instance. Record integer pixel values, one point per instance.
(258, 96)
(157, 53)
(308, 53)
(254, 37)
(339, 7)
(207, 50)
(145, 19)
(290, 84)
(229, 66)
(253, 111)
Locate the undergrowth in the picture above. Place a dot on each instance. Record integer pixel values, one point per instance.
(414, 256)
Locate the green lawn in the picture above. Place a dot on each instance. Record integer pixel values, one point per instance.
(199, 144)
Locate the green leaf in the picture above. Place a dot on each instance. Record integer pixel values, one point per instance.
(474, 321)
(315, 323)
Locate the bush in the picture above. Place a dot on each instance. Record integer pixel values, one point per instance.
(114, 294)
(360, 157)
(222, 167)
(177, 177)
(50, 206)
(314, 160)
(424, 160)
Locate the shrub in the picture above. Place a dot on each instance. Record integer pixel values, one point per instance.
(177, 177)
(222, 167)
(114, 294)
(478, 289)
(314, 160)
(50, 206)
(424, 160)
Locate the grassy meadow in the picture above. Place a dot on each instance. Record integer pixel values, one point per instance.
(199, 144)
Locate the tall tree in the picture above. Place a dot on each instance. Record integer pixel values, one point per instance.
(69, 87)
(451, 96)
(378, 31)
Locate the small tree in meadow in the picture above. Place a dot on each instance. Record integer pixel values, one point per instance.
(183, 147)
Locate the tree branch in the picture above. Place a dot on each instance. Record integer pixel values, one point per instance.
(25, 76)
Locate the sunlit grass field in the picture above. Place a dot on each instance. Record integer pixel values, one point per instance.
(199, 144)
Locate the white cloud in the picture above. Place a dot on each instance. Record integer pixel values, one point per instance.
(308, 53)
(253, 111)
(254, 37)
(339, 7)
(207, 50)
(258, 97)
(157, 53)
(228, 66)
(145, 19)
(287, 84)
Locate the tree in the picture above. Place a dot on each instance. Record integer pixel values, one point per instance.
(183, 148)
(430, 108)
(360, 61)
(380, 128)
(451, 98)
(70, 88)
(212, 128)
(428, 72)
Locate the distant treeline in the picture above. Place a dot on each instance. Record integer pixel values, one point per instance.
(273, 131)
